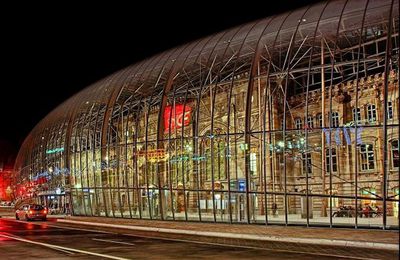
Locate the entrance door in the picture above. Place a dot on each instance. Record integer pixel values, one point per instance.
(304, 207)
(241, 207)
(87, 203)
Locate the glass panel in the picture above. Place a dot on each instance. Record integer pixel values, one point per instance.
(145, 203)
(275, 121)
(297, 209)
(239, 207)
(100, 209)
(393, 176)
(276, 209)
(132, 198)
(345, 213)
(77, 202)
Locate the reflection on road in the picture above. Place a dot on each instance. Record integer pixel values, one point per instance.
(37, 239)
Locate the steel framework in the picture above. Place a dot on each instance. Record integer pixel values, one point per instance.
(270, 127)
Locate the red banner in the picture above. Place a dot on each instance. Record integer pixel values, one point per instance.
(175, 118)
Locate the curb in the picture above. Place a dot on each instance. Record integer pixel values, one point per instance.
(313, 241)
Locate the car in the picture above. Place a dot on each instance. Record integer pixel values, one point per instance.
(30, 212)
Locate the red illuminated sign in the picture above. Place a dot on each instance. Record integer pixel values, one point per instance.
(174, 118)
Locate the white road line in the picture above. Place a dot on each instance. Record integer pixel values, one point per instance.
(80, 229)
(57, 249)
(207, 243)
(62, 250)
(219, 244)
(62, 247)
(63, 227)
(113, 241)
(266, 238)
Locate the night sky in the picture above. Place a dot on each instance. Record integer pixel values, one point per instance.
(47, 56)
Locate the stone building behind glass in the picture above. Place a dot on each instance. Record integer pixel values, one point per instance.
(293, 119)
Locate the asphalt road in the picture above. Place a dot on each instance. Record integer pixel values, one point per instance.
(44, 240)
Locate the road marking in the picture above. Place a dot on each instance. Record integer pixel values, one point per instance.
(62, 247)
(62, 250)
(206, 243)
(264, 238)
(225, 245)
(57, 249)
(80, 229)
(217, 244)
(113, 241)
(46, 224)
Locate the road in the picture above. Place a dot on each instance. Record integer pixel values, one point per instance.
(36, 239)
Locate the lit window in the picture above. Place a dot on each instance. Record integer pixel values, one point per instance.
(395, 154)
(298, 123)
(356, 115)
(328, 160)
(367, 157)
(333, 201)
(369, 194)
(319, 120)
(335, 119)
(307, 163)
(253, 163)
(389, 110)
(310, 122)
(371, 113)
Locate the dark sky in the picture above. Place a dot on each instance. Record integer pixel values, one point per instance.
(51, 52)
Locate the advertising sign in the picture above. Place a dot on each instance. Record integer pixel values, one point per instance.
(174, 118)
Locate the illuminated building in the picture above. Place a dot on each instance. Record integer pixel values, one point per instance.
(293, 119)
(7, 157)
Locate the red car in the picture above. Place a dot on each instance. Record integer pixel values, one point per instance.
(30, 212)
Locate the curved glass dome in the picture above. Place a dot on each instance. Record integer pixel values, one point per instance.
(290, 119)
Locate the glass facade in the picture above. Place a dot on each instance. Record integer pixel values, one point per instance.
(293, 119)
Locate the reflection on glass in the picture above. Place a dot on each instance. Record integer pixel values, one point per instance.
(275, 122)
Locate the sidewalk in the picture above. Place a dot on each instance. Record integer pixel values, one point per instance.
(270, 237)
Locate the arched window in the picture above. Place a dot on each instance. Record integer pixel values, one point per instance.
(356, 115)
(389, 110)
(306, 164)
(329, 161)
(395, 153)
(310, 122)
(367, 157)
(319, 120)
(335, 119)
(298, 123)
(371, 113)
